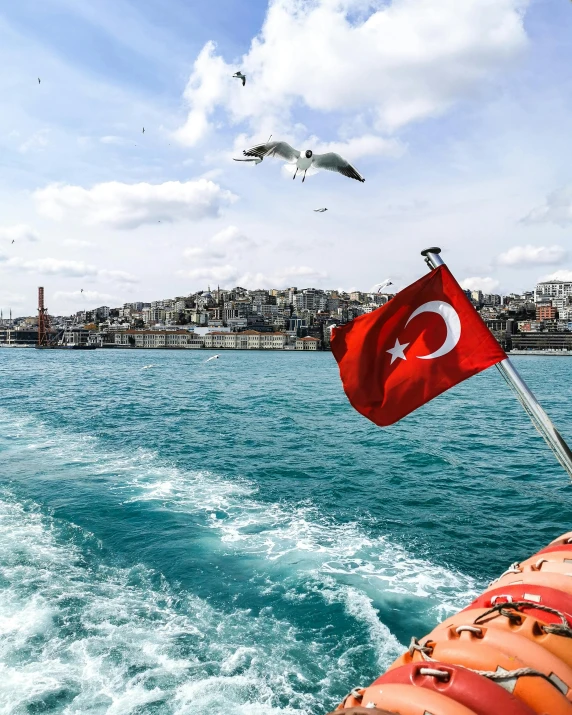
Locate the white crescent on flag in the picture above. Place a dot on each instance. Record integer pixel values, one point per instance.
(452, 321)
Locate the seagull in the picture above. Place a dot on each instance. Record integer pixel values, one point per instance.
(143, 130)
(39, 81)
(320, 211)
(378, 287)
(241, 76)
(13, 240)
(255, 159)
(147, 367)
(81, 291)
(214, 357)
(329, 161)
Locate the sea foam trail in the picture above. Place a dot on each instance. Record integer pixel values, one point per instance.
(80, 636)
(295, 538)
(103, 639)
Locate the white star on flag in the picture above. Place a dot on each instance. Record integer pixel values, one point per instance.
(397, 351)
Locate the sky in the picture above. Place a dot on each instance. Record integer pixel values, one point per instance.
(456, 113)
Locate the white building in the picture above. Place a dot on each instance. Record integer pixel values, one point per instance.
(553, 290)
(247, 340)
(307, 343)
(158, 339)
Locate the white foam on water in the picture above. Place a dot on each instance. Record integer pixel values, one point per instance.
(298, 538)
(122, 652)
(302, 539)
(86, 637)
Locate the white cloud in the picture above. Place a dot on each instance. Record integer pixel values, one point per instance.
(226, 245)
(64, 268)
(90, 296)
(366, 145)
(563, 275)
(204, 254)
(232, 237)
(117, 276)
(8, 298)
(556, 209)
(37, 141)
(80, 242)
(421, 57)
(111, 139)
(19, 232)
(229, 275)
(487, 284)
(522, 256)
(131, 205)
(49, 266)
(301, 272)
(226, 274)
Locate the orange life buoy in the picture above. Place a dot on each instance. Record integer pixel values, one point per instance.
(352, 700)
(564, 539)
(409, 700)
(518, 623)
(534, 595)
(477, 654)
(535, 578)
(560, 556)
(555, 547)
(464, 686)
(511, 643)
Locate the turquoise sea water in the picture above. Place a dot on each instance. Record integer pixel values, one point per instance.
(231, 537)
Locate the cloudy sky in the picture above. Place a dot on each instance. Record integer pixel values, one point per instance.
(458, 114)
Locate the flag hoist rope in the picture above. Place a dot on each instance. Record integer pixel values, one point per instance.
(539, 418)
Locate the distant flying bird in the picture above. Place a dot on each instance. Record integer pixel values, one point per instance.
(143, 130)
(329, 161)
(39, 81)
(214, 357)
(256, 160)
(320, 211)
(13, 240)
(241, 76)
(81, 291)
(378, 287)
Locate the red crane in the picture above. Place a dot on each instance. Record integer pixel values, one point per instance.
(43, 321)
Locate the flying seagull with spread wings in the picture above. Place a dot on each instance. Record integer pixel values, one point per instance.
(320, 211)
(378, 287)
(241, 76)
(329, 161)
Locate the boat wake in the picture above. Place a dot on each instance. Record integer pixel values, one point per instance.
(84, 634)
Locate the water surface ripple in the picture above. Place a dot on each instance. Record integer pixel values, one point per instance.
(232, 537)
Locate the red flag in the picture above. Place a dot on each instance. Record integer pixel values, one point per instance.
(425, 340)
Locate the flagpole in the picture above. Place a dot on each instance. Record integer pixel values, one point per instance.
(539, 418)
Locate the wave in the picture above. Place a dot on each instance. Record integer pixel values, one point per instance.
(87, 636)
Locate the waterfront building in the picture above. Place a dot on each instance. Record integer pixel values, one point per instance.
(156, 339)
(542, 341)
(307, 343)
(247, 340)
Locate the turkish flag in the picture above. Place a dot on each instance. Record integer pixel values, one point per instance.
(423, 341)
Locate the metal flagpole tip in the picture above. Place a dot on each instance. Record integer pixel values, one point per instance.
(435, 249)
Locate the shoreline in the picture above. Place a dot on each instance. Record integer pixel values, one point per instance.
(542, 353)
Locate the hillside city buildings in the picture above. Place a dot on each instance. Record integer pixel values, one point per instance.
(287, 319)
